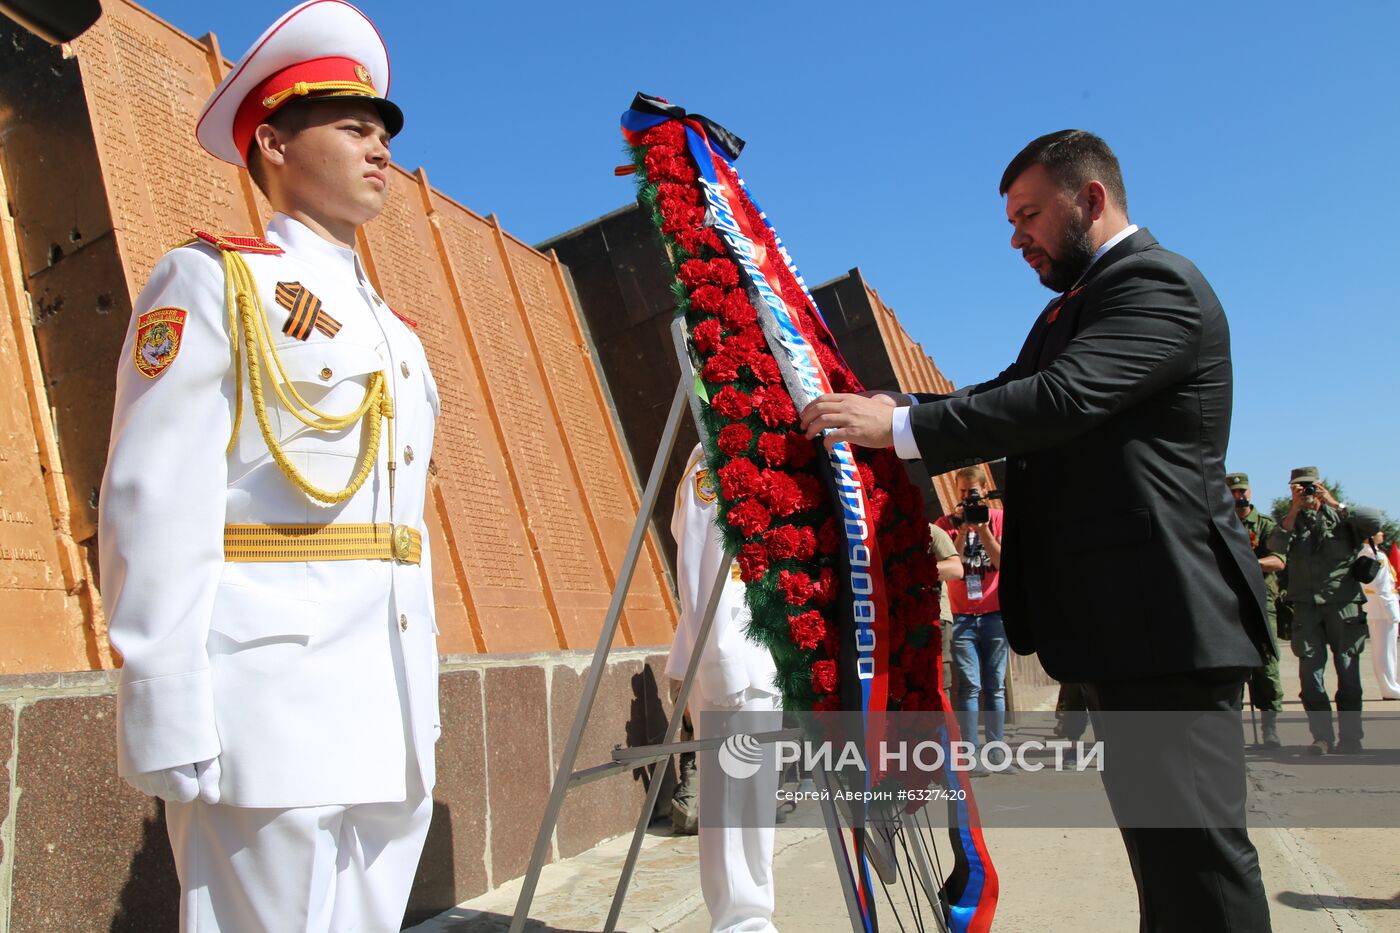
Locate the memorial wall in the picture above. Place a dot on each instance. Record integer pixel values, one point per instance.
(532, 496)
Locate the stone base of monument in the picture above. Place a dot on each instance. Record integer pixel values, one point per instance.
(66, 815)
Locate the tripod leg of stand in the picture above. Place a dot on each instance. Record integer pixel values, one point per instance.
(672, 727)
(600, 661)
(923, 867)
(838, 849)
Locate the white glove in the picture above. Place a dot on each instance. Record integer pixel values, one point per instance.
(732, 700)
(180, 784)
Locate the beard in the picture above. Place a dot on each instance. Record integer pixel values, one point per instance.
(1076, 253)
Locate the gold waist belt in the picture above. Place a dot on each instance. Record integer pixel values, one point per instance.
(266, 543)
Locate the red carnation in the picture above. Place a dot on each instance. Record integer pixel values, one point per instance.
(731, 403)
(737, 310)
(765, 369)
(897, 577)
(824, 588)
(670, 191)
(843, 381)
(669, 133)
(773, 448)
(806, 543)
(827, 704)
(879, 505)
(750, 517)
(808, 629)
(783, 541)
(706, 336)
(774, 406)
(889, 469)
(780, 492)
(707, 298)
(824, 676)
(694, 240)
(901, 538)
(739, 478)
(922, 535)
(720, 368)
(827, 358)
(867, 477)
(753, 562)
(812, 493)
(694, 273)
(829, 536)
(723, 272)
(797, 587)
(904, 497)
(746, 338)
(801, 450)
(659, 166)
(680, 217)
(734, 439)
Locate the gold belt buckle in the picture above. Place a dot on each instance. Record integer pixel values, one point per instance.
(401, 542)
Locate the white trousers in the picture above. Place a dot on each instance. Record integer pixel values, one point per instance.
(1382, 651)
(736, 858)
(337, 869)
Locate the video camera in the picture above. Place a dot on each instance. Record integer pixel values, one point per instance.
(975, 508)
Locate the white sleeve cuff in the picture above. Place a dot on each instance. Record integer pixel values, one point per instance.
(903, 431)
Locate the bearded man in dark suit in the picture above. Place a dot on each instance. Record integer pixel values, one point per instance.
(1148, 594)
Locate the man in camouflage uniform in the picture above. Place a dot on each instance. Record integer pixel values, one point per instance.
(1265, 687)
(1321, 537)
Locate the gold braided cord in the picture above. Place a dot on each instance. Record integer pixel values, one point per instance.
(246, 309)
(303, 88)
(231, 302)
(248, 292)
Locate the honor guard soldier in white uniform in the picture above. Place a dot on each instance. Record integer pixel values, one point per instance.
(263, 558)
(734, 675)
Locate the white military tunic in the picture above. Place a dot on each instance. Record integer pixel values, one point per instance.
(730, 664)
(734, 676)
(313, 683)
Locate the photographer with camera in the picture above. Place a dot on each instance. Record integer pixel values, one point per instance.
(1265, 687)
(1321, 538)
(979, 639)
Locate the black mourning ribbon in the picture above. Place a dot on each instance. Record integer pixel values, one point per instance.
(727, 141)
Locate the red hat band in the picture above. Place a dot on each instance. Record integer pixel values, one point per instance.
(332, 76)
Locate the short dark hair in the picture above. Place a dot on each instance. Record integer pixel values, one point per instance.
(1073, 158)
(289, 121)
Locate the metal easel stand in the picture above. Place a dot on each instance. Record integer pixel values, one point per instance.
(628, 759)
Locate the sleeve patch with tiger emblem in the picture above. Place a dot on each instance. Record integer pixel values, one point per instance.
(159, 333)
(705, 486)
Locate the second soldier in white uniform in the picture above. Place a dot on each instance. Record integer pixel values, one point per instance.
(263, 558)
(734, 675)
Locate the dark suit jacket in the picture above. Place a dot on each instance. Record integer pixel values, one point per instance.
(1122, 555)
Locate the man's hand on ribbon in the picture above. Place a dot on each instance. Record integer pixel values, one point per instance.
(864, 419)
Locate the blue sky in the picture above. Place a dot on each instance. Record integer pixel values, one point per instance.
(1260, 141)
